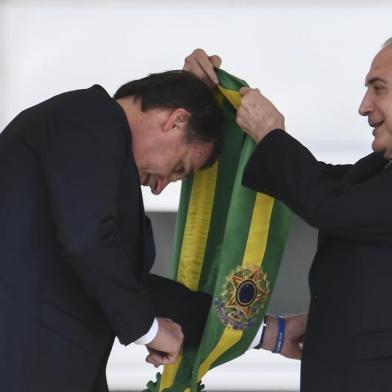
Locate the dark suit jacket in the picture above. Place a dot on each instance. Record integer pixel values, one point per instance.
(348, 344)
(72, 274)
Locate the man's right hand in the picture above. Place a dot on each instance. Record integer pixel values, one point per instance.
(202, 65)
(166, 345)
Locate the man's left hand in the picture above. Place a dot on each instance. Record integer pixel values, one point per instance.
(257, 116)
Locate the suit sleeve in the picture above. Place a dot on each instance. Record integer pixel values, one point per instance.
(338, 172)
(84, 150)
(286, 170)
(173, 300)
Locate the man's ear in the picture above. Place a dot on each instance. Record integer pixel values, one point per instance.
(178, 120)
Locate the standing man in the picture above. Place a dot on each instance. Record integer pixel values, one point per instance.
(348, 341)
(72, 275)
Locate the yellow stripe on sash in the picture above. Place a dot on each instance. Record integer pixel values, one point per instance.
(228, 339)
(254, 254)
(258, 232)
(194, 244)
(197, 227)
(232, 96)
(169, 374)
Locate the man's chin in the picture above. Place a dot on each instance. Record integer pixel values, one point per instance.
(387, 154)
(377, 147)
(382, 150)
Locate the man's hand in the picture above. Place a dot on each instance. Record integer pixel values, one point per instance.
(202, 66)
(166, 346)
(257, 116)
(294, 335)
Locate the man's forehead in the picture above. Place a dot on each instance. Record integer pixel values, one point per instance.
(381, 68)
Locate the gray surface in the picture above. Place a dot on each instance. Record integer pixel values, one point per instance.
(291, 292)
(291, 289)
(163, 224)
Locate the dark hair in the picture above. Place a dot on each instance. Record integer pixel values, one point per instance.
(181, 89)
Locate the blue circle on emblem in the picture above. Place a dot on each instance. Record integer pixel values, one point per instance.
(246, 293)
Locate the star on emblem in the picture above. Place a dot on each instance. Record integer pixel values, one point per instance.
(243, 295)
(246, 290)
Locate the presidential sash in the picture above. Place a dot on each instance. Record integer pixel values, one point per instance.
(229, 242)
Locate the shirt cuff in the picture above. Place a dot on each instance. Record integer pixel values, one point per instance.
(150, 335)
(257, 338)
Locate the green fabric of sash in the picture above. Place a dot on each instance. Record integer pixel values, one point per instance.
(229, 242)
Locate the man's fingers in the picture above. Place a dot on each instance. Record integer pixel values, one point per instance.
(244, 90)
(157, 358)
(296, 355)
(216, 61)
(208, 70)
(152, 360)
(292, 349)
(207, 65)
(251, 91)
(202, 66)
(170, 358)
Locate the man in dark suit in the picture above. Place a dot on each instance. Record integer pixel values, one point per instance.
(348, 340)
(72, 236)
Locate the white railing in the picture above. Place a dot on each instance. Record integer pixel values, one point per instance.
(256, 370)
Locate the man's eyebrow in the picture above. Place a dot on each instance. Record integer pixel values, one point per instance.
(375, 80)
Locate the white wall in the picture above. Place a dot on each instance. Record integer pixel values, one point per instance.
(309, 57)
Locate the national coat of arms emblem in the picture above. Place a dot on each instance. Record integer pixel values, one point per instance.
(243, 295)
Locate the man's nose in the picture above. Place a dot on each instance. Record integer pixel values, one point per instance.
(365, 108)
